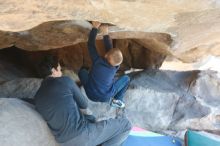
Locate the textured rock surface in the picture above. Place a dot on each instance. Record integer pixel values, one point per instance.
(20, 88)
(51, 35)
(193, 25)
(22, 125)
(169, 104)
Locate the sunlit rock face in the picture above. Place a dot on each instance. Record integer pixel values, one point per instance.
(41, 25)
(206, 63)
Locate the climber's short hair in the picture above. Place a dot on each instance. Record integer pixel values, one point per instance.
(114, 56)
(46, 65)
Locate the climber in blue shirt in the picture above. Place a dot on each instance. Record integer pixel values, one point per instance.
(100, 83)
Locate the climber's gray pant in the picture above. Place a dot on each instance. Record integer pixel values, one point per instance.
(112, 132)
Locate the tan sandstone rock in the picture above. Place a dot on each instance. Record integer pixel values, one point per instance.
(42, 25)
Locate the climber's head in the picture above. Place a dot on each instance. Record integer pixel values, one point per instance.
(114, 57)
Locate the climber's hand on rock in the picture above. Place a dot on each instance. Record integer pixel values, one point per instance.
(96, 24)
(104, 29)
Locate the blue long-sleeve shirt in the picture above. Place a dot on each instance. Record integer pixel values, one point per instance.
(100, 85)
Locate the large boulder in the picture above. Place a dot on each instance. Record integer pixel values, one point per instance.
(175, 100)
(21, 125)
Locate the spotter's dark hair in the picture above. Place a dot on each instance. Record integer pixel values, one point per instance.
(46, 65)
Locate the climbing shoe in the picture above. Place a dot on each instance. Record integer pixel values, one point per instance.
(117, 103)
